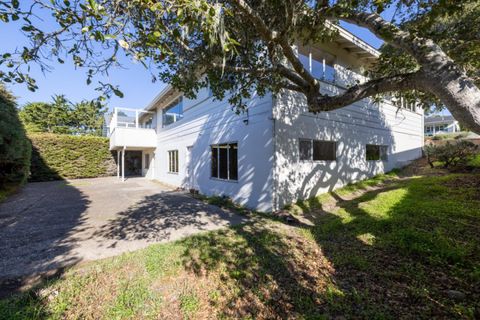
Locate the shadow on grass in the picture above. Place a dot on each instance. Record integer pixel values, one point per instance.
(409, 248)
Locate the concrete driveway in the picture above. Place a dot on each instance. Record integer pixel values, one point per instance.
(51, 225)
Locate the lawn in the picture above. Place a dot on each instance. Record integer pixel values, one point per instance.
(397, 246)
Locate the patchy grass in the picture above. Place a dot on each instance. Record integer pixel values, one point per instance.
(393, 246)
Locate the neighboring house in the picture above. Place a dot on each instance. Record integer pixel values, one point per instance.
(277, 152)
(438, 124)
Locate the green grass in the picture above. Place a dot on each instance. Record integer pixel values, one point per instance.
(475, 162)
(379, 249)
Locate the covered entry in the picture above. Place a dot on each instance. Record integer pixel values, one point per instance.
(134, 163)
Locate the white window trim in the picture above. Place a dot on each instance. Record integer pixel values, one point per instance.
(217, 145)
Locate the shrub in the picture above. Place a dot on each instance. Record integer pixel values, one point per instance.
(15, 148)
(451, 154)
(57, 156)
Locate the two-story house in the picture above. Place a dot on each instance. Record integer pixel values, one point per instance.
(276, 152)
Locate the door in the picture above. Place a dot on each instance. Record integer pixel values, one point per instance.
(189, 169)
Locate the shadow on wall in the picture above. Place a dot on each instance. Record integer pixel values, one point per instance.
(252, 132)
(269, 170)
(352, 127)
(35, 233)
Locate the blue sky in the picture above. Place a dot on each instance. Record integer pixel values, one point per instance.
(134, 80)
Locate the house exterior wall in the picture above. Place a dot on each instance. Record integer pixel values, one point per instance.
(208, 122)
(352, 128)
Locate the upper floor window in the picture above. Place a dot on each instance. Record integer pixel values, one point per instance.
(173, 112)
(317, 150)
(319, 63)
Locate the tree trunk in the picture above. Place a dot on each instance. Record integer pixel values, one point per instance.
(459, 94)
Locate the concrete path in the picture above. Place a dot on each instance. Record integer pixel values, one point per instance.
(51, 225)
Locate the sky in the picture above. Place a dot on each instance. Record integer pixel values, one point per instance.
(133, 79)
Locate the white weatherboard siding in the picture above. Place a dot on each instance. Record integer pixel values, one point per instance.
(270, 173)
(208, 122)
(352, 128)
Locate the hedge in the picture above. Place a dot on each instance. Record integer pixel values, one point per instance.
(58, 156)
(15, 148)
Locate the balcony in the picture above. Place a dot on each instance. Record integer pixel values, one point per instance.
(134, 132)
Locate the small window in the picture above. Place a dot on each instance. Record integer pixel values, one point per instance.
(317, 150)
(225, 161)
(147, 160)
(324, 150)
(376, 152)
(173, 113)
(173, 161)
(305, 149)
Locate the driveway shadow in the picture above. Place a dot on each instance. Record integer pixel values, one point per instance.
(35, 231)
(166, 216)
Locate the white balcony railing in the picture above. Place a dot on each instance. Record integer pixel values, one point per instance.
(135, 131)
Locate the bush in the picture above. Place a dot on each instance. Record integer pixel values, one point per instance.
(15, 148)
(57, 156)
(451, 154)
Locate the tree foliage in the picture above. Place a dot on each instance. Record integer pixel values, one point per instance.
(63, 116)
(237, 47)
(451, 154)
(15, 148)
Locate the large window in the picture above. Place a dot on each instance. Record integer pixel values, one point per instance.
(173, 113)
(225, 161)
(173, 161)
(376, 152)
(317, 150)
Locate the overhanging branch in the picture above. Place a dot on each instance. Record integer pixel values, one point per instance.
(403, 82)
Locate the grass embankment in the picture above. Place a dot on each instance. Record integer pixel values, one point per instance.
(388, 247)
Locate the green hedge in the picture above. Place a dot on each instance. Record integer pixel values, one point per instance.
(15, 148)
(58, 156)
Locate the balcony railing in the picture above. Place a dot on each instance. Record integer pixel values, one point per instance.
(130, 118)
(136, 130)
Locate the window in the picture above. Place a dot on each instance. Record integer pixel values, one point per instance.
(173, 161)
(376, 152)
(173, 113)
(225, 161)
(305, 149)
(317, 150)
(318, 62)
(147, 160)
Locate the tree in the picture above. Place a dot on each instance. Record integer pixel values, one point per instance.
(15, 149)
(88, 117)
(55, 117)
(240, 45)
(63, 116)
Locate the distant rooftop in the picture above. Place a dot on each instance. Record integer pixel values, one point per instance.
(439, 118)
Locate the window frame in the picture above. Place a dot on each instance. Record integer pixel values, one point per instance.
(173, 104)
(173, 163)
(312, 148)
(382, 152)
(217, 147)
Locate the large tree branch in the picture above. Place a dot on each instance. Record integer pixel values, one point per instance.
(287, 50)
(402, 82)
(423, 50)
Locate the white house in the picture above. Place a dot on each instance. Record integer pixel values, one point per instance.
(276, 152)
(438, 124)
